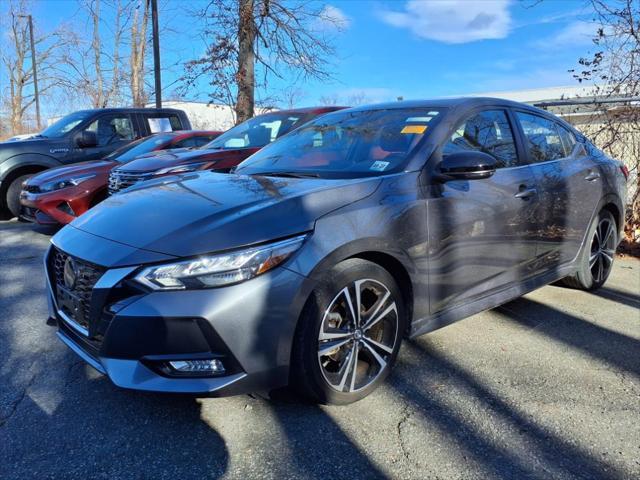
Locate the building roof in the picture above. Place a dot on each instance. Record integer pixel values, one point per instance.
(536, 95)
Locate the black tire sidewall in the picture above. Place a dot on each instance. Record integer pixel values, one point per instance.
(13, 195)
(585, 277)
(306, 374)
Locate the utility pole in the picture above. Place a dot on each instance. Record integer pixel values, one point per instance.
(33, 68)
(156, 52)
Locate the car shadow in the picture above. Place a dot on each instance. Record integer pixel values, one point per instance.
(85, 426)
(608, 346)
(618, 296)
(319, 446)
(537, 452)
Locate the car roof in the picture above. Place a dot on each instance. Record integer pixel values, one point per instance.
(465, 102)
(320, 109)
(130, 110)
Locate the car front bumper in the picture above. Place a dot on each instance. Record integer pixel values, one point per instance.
(248, 326)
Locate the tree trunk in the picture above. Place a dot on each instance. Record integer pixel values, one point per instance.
(245, 77)
(138, 52)
(99, 100)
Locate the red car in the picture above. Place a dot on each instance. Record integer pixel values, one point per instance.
(223, 153)
(58, 195)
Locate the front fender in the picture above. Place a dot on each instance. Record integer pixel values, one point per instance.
(11, 164)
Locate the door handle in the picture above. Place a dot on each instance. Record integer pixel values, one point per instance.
(592, 176)
(526, 193)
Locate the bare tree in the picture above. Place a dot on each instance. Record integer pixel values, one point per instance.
(291, 96)
(250, 41)
(137, 57)
(95, 65)
(16, 58)
(329, 100)
(615, 68)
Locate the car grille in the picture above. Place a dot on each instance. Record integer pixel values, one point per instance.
(31, 188)
(120, 180)
(74, 299)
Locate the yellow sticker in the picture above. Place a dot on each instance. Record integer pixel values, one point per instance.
(419, 129)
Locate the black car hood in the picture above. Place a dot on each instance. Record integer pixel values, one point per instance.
(206, 212)
(36, 145)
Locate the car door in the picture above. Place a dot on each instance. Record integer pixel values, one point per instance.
(480, 231)
(569, 188)
(112, 131)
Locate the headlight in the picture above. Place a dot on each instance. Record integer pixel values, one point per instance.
(219, 270)
(179, 169)
(60, 184)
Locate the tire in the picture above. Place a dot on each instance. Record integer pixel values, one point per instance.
(595, 261)
(13, 195)
(330, 378)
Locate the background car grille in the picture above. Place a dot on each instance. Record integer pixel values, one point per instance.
(119, 180)
(31, 188)
(87, 276)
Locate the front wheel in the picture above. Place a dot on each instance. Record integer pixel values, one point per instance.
(349, 334)
(13, 195)
(596, 259)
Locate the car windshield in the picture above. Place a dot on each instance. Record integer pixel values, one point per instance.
(63, 126)
(346, 144)
(139, 147)
(258, 131)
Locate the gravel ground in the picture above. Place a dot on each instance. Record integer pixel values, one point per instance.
(547, 386)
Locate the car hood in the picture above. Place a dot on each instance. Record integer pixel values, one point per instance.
(151, 163)
(198, 213)
(37, 145)
(74, 170)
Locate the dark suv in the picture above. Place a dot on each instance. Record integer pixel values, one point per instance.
(80, 136)
(312, 261)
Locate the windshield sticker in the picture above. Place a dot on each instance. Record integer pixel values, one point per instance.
(419, 119)
(417, 129)
(379, 166)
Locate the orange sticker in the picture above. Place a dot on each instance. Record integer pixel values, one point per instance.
(418, 129)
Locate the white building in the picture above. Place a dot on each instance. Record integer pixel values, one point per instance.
(206, 116)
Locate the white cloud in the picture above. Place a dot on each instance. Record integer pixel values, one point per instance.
(574, 34)
(332, 17)
(453, 21)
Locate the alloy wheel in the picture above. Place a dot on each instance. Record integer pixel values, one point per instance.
(602, 250)
(358, 335)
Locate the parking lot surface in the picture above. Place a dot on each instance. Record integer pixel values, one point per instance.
(544, 387)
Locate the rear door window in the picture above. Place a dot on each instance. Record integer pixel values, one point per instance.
(489, 132)
(543, 138)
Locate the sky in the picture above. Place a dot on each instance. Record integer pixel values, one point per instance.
(410, 48)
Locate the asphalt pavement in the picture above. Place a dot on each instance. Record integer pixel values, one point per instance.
(544, 387)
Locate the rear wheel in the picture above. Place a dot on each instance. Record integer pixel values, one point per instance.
(13, 195)
(597, 256)
(349, 334)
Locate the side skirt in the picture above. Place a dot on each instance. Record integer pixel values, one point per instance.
(447, 317)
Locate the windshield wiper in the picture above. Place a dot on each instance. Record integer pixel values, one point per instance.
(288, 174)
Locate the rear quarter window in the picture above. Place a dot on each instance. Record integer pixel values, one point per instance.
(163, 123)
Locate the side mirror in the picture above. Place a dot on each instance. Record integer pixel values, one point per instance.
(86, 139)
(470, 165)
